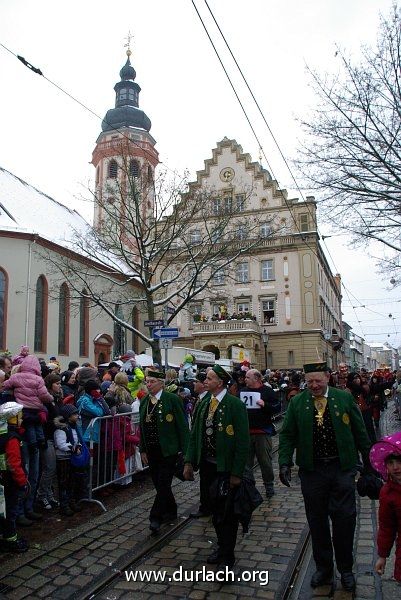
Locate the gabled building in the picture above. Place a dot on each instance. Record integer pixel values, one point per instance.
(284, 288)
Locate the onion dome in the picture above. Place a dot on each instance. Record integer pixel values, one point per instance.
(126, 112)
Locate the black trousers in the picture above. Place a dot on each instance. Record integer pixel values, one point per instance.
(329, 492)
(225, 522)
(162, 473)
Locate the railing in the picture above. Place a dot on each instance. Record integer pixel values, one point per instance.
(224, 326)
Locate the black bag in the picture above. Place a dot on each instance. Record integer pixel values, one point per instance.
(369, 485)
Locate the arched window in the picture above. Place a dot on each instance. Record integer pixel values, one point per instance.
(134, 168)
(119, 333)
(3, 308)
(150, 174)
(84, 324)
(40, 339)
(135, 323)
(112, 170)
(63, 319)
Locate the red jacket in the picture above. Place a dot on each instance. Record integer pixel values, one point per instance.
(390, 524)
(14, 461)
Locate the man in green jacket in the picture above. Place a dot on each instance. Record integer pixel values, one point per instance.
(164, 433)
(219, 446)
(325, 427)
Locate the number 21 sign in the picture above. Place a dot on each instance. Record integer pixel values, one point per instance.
(250, 399)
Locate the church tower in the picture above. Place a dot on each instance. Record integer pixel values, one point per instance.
(125, 156)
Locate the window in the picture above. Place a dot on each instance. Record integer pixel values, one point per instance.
(150, 174)
(242, 307)
(268, 312)
(242, 273)
(119, 333)
(241, 233)
(63, 319)
(194, 278)
(135, 323)
(219, 277)
(123, 93)
(84, 324)
(195, 311)
(3, 307)
(216, 235)
(112, 169)
(228, 203)
(303, 222)
(216, 205)
(267, 269)
(40, 337)
(195, 236)
(265, 230)
(134, 168)
(240, 202)
(290, 358)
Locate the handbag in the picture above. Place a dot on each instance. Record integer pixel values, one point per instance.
(82, 459)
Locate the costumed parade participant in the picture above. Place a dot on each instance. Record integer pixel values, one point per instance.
(325, 427)
(164, 433)
(187, 370)
(135, 374)
(219, 447)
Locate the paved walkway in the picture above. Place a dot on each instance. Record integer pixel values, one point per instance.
(74, 563)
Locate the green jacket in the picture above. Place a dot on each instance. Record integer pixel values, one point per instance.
(172, 425)
(232, 437)
(297, 430)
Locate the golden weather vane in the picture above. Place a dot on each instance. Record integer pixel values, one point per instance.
(128, 44)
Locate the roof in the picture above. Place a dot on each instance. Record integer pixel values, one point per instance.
(25, 209)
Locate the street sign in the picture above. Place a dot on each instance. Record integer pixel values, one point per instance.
(170, 310)
(155, 323)
(165, 343)
(165, 332)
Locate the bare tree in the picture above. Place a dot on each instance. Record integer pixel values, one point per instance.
(156, 244)
(352, 153)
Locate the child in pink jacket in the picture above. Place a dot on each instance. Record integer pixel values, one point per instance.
(29, 390)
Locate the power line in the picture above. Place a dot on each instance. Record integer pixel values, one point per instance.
(265, 120)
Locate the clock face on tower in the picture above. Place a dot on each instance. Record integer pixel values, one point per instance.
(227, 174)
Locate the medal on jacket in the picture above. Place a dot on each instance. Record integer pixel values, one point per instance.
(209, 419)
(320, 405)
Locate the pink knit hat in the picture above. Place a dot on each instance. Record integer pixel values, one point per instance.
(391, 444)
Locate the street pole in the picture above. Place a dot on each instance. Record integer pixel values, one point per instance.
(265, 339)
(165, 317)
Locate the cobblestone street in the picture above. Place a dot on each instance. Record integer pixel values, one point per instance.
(75, 563)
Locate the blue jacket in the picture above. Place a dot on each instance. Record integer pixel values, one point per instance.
(89, 408)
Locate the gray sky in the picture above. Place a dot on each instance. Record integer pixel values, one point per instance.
(47, 139)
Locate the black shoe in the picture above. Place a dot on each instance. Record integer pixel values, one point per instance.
(33, 516)
(16, 546)
(169, 518)
(348, 581)
(321, 577)
(154, 526)
(214, 558)
(75, 507)
(199, 514)
(66, 511)
(269, 492)
(224, 568)
(22, 521)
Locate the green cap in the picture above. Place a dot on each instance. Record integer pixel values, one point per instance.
(317, 367)
(221, 373)
(155, 374)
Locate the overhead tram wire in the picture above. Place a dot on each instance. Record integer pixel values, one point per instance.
(88, 109)
(259, 108)
(38, 71)
(255, 135)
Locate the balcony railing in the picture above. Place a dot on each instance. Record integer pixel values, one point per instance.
(231, 326)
